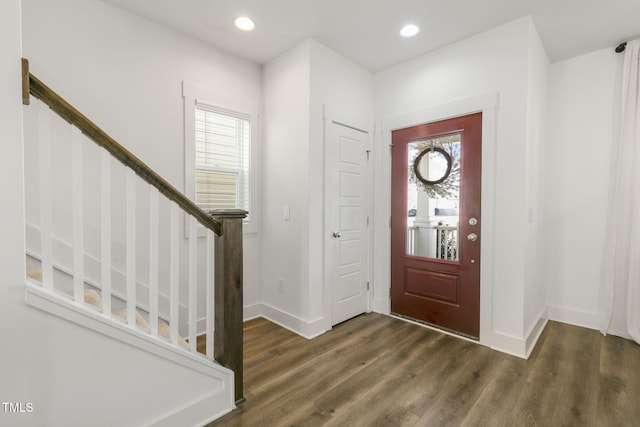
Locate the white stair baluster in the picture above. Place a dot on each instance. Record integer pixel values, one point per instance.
(193, 282)
(209, 293)
(153, 261)
(174, 274)
(131, 246)
(78, 215)
(105, 229)
(44, 148)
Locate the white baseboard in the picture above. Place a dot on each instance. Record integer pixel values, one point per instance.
(198, 412)
(517, 346)
(581, 318)
(619, 333)
(508, 344)
(535, 331)
(304, 328)
(252, 311)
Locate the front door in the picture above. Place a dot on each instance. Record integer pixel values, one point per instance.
(347, 157)
(435, 223)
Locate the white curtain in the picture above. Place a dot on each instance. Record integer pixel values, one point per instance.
(623, 248)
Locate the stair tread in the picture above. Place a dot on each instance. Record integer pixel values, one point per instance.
(92, 298)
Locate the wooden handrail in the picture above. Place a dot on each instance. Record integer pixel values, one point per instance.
(31, 85)
(225, 223)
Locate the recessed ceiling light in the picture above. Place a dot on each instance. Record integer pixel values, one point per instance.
(409, 30)
(245, 24)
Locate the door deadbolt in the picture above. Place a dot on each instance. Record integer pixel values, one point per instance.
(473, 237)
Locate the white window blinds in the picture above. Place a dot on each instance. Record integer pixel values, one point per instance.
(222, 144)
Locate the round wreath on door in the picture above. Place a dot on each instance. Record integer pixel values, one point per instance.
(435, 167)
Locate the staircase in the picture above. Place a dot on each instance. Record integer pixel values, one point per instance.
(115, 248)
(93, 300)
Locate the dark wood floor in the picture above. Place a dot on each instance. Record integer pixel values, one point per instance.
(375, 370)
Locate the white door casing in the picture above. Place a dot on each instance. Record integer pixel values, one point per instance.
(347, 226)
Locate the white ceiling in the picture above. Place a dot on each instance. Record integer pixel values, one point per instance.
(366, 31)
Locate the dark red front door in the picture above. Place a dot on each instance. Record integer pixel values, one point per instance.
(435, 223)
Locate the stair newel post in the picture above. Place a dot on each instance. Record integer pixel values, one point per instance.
(228, 346)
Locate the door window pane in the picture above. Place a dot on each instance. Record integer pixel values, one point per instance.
(433, 194)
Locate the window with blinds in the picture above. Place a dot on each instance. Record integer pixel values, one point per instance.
(222, 146)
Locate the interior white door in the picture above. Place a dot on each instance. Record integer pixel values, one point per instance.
(349, 234)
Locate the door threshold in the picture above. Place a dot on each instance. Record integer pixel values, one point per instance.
(436, 328)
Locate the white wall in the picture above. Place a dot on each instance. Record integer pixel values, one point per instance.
(297, 86)
(345, 88)
(536, 152)
(285, 151)
(497, 60)
(550, 185)
(11, 169)
(577, 162)
(125, 73)
(70, 375)
(75, 376)
(12, 263)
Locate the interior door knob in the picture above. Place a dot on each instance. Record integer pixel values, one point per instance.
(337, 234)
(473, 237)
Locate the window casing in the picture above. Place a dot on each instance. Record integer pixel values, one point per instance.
(221, 151)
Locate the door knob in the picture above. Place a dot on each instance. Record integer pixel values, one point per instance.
(337, 234)
(473, 237)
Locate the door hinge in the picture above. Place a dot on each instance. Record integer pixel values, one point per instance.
(389, 222)
(367, 285)
(367, 221)
(368, 153)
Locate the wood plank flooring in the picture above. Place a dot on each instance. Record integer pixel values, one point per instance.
(375, 370)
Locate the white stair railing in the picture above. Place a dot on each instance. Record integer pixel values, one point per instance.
(88, 252)
(78, 215)
(182, 312)
(44, 145)
(105, 228)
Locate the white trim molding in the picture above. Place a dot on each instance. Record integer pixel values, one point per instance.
(196, 93)
(575, 317)
(56, 304)
(488, 104)
(218, 401)
(192, 413)
(305, 328)
(334, 115)
(532, 337)
(252, 311)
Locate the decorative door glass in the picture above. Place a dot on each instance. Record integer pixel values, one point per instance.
(433, 193)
